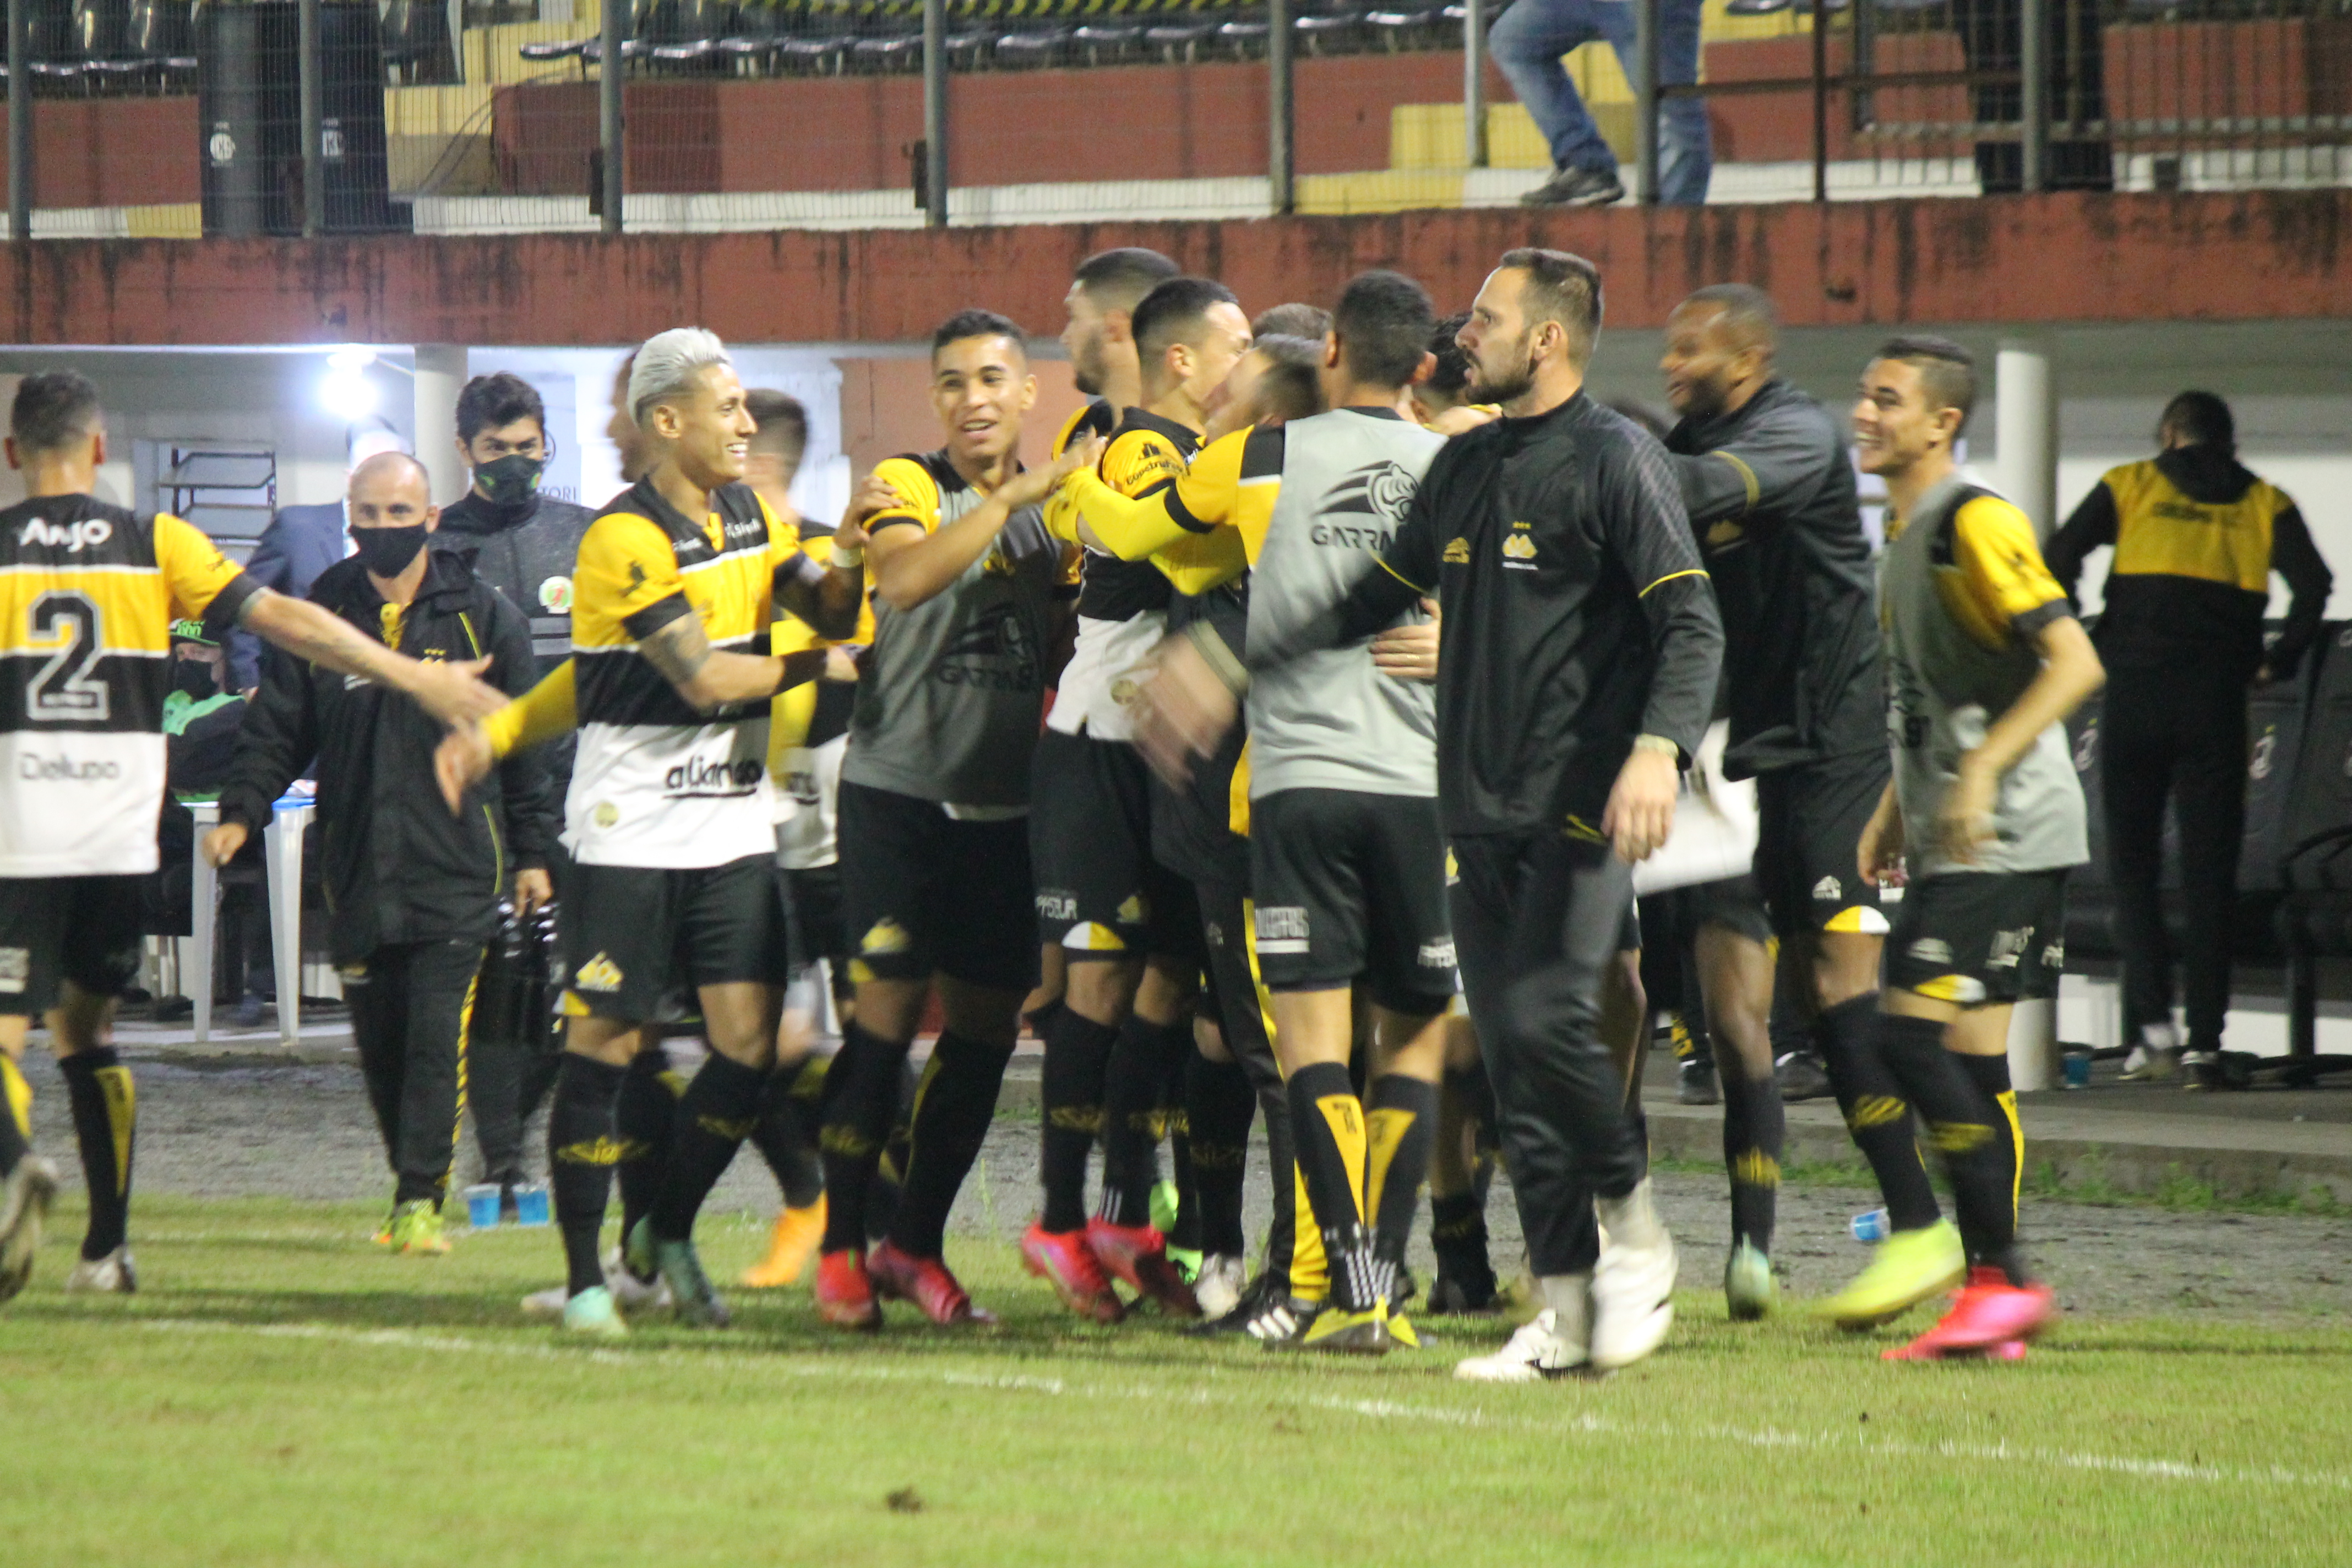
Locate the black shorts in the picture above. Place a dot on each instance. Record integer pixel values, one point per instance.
(1348, 885)
(82, 929)
(923, 892)
(635, 936)
(1735, 903)
(813, 907)
(1980, 939)
(1101, 891)
(1809, 833)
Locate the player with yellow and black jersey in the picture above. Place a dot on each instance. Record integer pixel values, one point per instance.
(669, 818)
(934, 839)
(1128, 930)
(2196, 536)
(87, 594)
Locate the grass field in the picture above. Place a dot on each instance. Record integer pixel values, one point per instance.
(280, 1392)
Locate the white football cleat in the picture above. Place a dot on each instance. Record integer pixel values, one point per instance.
(25, 1199)
(112, 1274)
(1218, 1286)
(1539, 1351)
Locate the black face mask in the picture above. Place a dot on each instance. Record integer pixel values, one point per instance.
(386, 551)
(195, 678)
(510, 480)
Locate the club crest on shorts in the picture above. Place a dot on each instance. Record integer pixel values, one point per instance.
(599, 973)
(884, 936)
(1828, 888)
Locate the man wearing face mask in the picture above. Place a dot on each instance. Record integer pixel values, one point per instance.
(522, 543)
(413, 889)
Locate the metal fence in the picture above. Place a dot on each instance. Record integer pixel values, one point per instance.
(306, 117)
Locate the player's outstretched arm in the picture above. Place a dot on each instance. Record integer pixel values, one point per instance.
(912, 566)
(452, 692)
(710, 678)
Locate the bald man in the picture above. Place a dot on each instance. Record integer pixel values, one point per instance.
(412, 891)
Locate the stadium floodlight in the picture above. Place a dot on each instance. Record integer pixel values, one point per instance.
(346, 392)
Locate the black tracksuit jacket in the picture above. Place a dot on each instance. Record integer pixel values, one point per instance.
(398, 867)
(1577, 615)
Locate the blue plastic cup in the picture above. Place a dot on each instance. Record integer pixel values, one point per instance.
(2078, 1069)
(1872, 1226)
(530, 1204)
(482, 1205)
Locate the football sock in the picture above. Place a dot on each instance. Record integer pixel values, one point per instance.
(582, 1150)
(953, 1111)
(105, 1114)
(1219, 1105)
(718, 1111)
(786, 1135)
(1688, 1035)
(1959, 1118)
(1078, 1053)
(1991, 1076)
(1876, 1115)
(1134, 1119)
(1400, 1127)
(15, 1115)
(1755, 1130)
(1185, 1233)
(645, 1120)
(1327, 1121)
(861, 1095)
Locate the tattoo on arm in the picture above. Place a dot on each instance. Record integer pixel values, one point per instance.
(679, 650)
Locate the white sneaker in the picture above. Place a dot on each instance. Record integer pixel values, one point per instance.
(1218, 1286)
(630, 1293)
(112, 1275)
(25, 1199)
(546, 1306)
(1536, 1351)
(2156, 1055)
(1634, 1285)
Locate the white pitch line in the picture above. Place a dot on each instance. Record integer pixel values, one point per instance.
(1583, 1422)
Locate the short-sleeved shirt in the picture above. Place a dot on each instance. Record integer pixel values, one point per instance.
(656, 781)
(949, 704)
(1962, 592)
(88, 595)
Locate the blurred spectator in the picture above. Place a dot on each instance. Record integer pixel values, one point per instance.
(1527, 44)
(2196, 537)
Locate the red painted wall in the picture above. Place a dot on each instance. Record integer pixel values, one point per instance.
(114, 152)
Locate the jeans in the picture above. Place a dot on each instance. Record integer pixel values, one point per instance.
(1527, 42)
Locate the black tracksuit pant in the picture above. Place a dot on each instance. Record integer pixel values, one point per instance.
(1536, 921)
(409, 1012)
(2179, 732)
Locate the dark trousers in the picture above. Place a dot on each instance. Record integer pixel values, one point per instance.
(1536, 921)
(409, 1009)
(2177, 733)
(1241, 1018)
(507, 1074)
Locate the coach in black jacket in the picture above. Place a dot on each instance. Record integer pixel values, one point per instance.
(412, 893)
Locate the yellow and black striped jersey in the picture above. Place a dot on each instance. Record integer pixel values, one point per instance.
(657, 782)
(1204, 526)
(1990, 574)
(88, 595)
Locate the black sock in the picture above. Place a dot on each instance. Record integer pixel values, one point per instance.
(1399, 1128)
(1458, 1234)
(582, 1150)
(1991, 1076)
(644, 1119)
(786, 1135)
(1327, 1121)
(1282, 1178)
(1219, 1105)
(1078, 1052)
(718, 1111)
(1959, 1118)
(1876, 1115)
(1135, 1114)
(1755, 1130)
(15, 1115)
(861, 1096)
(952, 1110)
(1185, 1233)
(105, 1115)
(1688, 1033)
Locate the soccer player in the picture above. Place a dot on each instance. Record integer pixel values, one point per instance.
(934, 840)
(91, 591)
(808, 735)
(413, 890)
(1128, 928)
(1986, 660)
(670, 816)
(1347, 862)
(523, 543)
(1769, 487)
(1579, 650)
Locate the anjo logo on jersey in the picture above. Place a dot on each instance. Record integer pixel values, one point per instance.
(86, 534)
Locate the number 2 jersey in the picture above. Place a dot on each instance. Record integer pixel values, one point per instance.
(88, 595)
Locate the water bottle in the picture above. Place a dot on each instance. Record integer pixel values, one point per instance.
(1871, 1227)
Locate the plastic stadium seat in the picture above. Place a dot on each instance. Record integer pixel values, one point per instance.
(891, 52)
(1031, 49)
(1175, 39)
(813, 53)
(1102, 43)
(685, 53)
(592, 50)
(553, 50)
